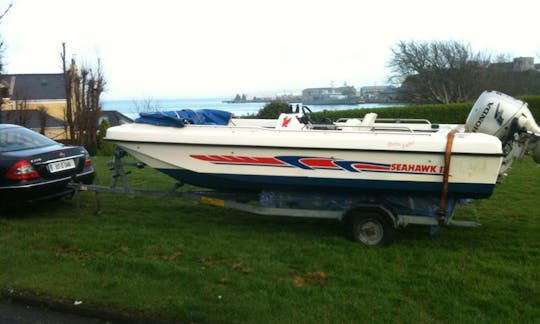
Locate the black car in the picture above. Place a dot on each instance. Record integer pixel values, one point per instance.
(34, 167)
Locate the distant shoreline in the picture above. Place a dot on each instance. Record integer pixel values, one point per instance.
(130, 108)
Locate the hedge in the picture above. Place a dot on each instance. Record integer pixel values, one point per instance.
(439, 114)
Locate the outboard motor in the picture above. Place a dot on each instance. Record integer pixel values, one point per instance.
(510, 120)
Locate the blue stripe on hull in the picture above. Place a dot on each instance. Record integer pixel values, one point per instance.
(255, 183)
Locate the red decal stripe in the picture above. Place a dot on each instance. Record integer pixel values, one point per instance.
(238, 159)
(210, 158)
(371, 167)
(254, 160)
(319, 163)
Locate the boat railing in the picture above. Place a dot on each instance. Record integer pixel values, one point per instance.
(393, 125)
(392, 129)
(392, 120)
(389, 129)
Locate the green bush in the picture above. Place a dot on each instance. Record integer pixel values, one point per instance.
(534, 104)
(104, 148)
(273, 109)
(439, 114)
(91, 149)
(448, 114)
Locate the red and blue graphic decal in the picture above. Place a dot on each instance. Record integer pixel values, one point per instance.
(241, 160)
(320, 163)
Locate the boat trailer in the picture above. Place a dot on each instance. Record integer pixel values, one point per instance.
(367, 222)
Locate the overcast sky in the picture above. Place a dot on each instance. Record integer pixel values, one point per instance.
(215, 48)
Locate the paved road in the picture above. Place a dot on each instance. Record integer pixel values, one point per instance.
(19, 314)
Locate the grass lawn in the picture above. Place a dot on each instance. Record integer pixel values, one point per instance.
(190, 262)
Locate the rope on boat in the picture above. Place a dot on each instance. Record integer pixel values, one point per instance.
(446, 174)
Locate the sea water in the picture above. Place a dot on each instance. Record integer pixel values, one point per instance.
(132, 108)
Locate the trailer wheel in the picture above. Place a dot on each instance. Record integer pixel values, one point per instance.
(370, 228)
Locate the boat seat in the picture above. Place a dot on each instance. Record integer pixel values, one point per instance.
(361, 124)
(369, 119)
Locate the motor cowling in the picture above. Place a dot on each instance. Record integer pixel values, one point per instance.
(500, 115)
(510, 120)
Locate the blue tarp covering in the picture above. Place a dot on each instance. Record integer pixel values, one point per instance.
(179, 118)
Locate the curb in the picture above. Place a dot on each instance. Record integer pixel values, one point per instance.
(79, 308)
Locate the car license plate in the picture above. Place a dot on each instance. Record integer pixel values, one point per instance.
(61, 165)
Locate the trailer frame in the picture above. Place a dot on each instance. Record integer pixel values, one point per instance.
(371, 224)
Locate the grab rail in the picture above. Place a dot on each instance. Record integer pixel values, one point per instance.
(392, 120)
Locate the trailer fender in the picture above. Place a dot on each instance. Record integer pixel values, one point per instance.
(376, 208)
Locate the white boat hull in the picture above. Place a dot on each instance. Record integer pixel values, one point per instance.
(256, 158)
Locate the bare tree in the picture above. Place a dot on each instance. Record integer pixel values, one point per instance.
(6, 11)
(438, 71)
(502, 58)
(21, 112)
(3, 90)
(83, 107)
(147, 104)
(1, 41)
(92, 86)
(42, 118)
(68, 83)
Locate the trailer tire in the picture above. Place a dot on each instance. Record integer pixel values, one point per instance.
(370, 228)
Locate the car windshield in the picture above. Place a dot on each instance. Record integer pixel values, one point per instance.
(20, 138)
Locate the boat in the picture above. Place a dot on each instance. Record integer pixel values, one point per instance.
(356, 155)
(374, 175)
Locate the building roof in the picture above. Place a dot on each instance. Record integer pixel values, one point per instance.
(31, 118)
(36, 86)
(114, 117)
